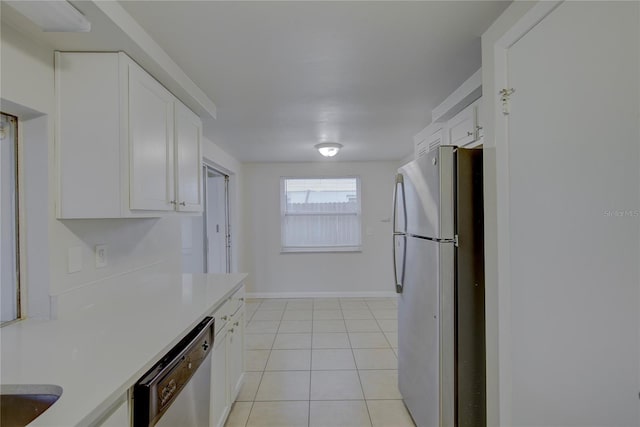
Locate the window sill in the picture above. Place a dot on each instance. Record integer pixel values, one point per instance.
(333, 249)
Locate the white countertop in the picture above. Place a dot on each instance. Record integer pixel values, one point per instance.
(96, 354)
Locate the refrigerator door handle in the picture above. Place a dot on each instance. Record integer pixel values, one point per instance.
(399, 280)
(395, 266)
(399, 182)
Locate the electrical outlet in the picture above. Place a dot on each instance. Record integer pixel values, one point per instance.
(101, 256)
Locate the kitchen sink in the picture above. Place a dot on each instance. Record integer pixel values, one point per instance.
(21, 404)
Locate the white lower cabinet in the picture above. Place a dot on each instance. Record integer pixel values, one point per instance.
(220, 404)
(227, 359)
(235, 352)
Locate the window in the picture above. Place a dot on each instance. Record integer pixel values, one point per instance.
(10, 307)
(320, 214)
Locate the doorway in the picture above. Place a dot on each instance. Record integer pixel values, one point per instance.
(206, 238)
(9, 247)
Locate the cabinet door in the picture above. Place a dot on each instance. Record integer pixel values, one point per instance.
(219, 389)
(188, 140)
(479, 119)
(235, 342)
(462, 127)
(150, 143)
(435, 140)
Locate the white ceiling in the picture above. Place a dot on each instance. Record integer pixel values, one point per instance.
(287, 75)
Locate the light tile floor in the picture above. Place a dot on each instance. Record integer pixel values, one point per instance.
(321, 362)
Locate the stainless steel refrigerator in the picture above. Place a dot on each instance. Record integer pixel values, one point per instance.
(439, 273)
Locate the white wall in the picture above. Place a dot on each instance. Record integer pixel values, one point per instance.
(133, 244)
(272, 274)
(561, 273)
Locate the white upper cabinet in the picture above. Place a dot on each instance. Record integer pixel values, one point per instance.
(456, 121)
(151, 143)
(464, 127)
(125, 146)
(188, 157)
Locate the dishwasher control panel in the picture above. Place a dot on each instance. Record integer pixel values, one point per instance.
(187, 364)
(159, 387)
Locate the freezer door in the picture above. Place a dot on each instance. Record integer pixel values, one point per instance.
(428, 184)
(426, 333)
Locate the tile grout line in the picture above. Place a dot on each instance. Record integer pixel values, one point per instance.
(313, 333)
(245, 351)
(364, 397)
(313, 303)
(261, 374)
(383, 332)
(265, 365)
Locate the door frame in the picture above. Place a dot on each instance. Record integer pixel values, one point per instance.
(206, 168)
(500, 411)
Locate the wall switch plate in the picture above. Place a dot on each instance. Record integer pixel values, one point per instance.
(74, 259)
(101, 256)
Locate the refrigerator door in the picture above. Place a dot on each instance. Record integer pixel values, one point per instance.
(428, 184)
(426, 333)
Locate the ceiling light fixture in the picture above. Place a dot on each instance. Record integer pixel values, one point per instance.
(53, 15)
(328, 149)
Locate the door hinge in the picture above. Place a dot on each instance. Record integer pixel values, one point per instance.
(505, 95)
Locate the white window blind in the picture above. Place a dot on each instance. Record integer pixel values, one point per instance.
(320, 214)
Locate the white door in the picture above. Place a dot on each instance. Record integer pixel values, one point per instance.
(188, 136)
(150, 143)
(573, 164)
(204, 237)
(217, 222)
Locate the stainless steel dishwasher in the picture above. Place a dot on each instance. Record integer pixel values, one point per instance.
(177, 390)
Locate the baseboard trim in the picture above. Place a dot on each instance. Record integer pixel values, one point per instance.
(384, 294)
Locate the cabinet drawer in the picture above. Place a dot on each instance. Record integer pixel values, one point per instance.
(222, 315)
(236, 301)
